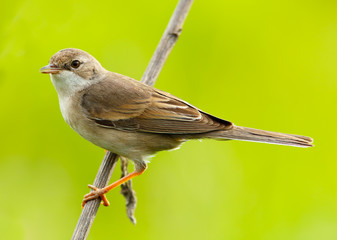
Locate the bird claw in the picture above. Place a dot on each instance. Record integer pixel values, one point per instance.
(97, 193)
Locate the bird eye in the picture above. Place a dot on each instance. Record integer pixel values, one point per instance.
(75, 64)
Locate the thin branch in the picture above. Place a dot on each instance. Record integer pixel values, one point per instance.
(103, 176)
(167, 41)
(91, 207)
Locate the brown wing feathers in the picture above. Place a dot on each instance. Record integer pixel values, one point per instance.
(148, 110)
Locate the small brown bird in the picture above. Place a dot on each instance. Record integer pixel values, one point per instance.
(134, 120)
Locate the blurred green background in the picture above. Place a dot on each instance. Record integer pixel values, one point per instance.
(261, 64)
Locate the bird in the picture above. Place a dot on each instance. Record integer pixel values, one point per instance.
(134, 120)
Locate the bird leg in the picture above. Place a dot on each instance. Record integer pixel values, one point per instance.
(100, 192)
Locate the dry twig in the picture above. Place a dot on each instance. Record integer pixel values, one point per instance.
(158, 59)
(128, 193)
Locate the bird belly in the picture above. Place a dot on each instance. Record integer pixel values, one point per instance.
(133, 145)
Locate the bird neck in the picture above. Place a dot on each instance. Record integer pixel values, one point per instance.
(68, 83)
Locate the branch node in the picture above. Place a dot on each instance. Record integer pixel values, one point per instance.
(177, 32)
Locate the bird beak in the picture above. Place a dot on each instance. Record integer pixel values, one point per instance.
(50, 69)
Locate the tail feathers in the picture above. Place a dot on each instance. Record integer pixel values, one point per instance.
(256, 135)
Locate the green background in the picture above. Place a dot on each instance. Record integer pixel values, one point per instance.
(262, 64)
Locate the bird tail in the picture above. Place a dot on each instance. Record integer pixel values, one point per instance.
(256, 135)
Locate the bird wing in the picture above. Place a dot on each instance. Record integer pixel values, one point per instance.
(125, 104)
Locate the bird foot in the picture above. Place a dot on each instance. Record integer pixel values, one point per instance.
(97, 193)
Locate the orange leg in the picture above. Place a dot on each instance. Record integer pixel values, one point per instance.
(101, 192)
